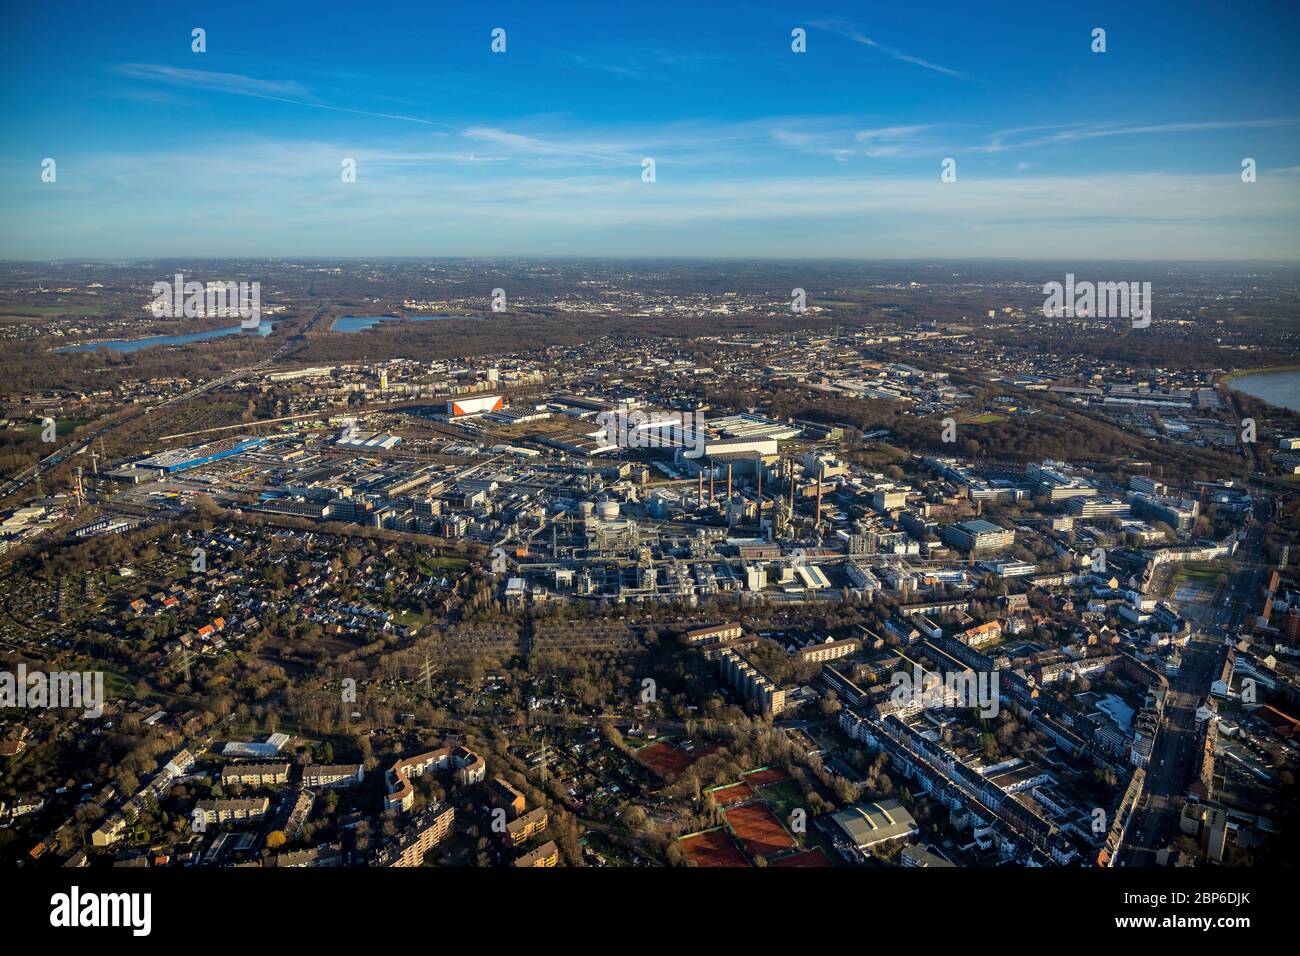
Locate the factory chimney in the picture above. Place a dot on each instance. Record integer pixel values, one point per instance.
(821, 472)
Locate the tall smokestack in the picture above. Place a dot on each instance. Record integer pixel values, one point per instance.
(760, 484)
(710, 481)
(700, 495)
(820, 474)
(728, 481)
(790, 474)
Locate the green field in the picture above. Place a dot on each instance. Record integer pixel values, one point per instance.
(61, 427)
(430, 563)
(49, 311)
(782, 797)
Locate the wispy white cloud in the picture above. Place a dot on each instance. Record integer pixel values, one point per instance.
(655, 63)
(839, 139)
(288, 197)
(762, 186)
(280, 91)
(888, 133)
(211, 80)
(1077, 132)
(852, 32)
(549, 147)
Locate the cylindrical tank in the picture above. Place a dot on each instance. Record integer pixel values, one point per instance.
(585, 509)
(607, 510)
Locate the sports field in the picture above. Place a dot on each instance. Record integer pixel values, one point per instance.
(806, 858)
(732, 794)
(664, 759)
(783, 797)
(713, 848)
(758, 829)
(759, 778)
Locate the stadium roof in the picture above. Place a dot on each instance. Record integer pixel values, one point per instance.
(871, 823)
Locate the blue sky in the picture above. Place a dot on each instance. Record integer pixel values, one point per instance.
(759, 151)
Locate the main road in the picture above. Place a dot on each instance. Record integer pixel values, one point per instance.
(1175, 759)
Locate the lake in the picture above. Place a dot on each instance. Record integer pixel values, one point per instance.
(132, 345)
(358, 323)
(1277, 388)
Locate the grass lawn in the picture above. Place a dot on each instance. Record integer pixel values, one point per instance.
(1201, 573)
(46, 311)
(782, 797)
(431, 564)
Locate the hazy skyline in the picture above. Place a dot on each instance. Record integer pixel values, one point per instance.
(759, 151)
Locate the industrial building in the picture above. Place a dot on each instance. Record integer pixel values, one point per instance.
(181, 459)
(978, 536)
(469, 407)
(1053, 482)
(1179, 514)
(354, 439)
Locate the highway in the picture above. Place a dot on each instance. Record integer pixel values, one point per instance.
(51, 461)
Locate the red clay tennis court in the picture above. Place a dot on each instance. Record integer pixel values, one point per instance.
(758, 829)
(712, 848)
(808, 858)
(663, 758)
(732, 794)
(759, 778)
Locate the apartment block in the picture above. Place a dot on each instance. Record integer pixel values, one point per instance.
(523, 829)
(422, 835)
(325, 776)
(548, 854)
(255, 774)
(468, 767)
(752, 683)
(712, 635)
(503, 795)
(829, 650)
(217, 812)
